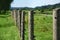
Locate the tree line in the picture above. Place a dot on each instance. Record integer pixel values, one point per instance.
(5, 5)
(46, 7)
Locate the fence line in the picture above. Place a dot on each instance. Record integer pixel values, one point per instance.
(19, 17)
(19, 21)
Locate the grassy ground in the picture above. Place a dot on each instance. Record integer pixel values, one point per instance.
(8, 30)
(42, 27)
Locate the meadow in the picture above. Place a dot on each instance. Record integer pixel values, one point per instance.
(43, 29)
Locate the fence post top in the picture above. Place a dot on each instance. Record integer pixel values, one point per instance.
(56, 9)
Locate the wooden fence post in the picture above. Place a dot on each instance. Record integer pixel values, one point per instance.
(15, 16)
(22, 25)
(19, 21)
(31, 25)
(56, 24)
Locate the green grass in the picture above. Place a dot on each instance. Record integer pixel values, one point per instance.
(8, 30)
(42, 27)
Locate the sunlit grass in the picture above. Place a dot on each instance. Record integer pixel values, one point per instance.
(42, 27)
(8, 30)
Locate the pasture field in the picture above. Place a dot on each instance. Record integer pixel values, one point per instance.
(8, 30)
(42, 27)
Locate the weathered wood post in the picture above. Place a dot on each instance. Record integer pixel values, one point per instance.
(15, 16)
(19, 21)
(22, 25)
(31, 25)
(13, 12)
(19, 18)
(56, 24)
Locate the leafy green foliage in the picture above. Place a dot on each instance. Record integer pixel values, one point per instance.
(5, 5)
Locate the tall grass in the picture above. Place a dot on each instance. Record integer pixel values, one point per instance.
(8, 30)
(42, 27)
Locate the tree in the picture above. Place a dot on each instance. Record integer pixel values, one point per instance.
(5, 5)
